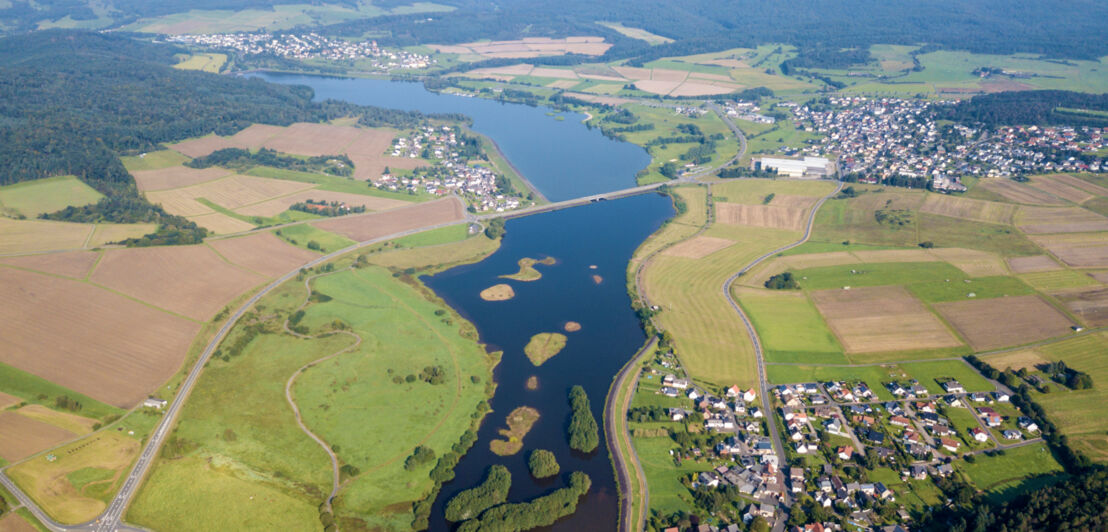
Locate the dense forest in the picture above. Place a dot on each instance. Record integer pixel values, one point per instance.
(25, 15)
(820, 28)
(1043, 108)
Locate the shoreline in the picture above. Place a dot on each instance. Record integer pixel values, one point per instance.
(540, 198)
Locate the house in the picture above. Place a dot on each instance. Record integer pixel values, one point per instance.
(749, 395)
(834, 426)
(896, 389)
(953, 386)
(845, 452)
(693, 394)
(926, 407)
(875, 436)
(978, 397)
(708, 479)
(796, 474)
(911, 436)
(941, 430)
(154, 402)
(921, 452)
(928, 418)
(811, 388)
(953, 400)
(819, 399)
(979, 434)
(1028, 424)
(900, 421)
(918, 471)
(917, 391)
(734, 391)
(823, 411)
(993, 420)
(1001, 397)
(824, 484)
(670, 391)
(1011, 434)
(674, 382)
(950, 444)
(677, 414)
(882, 492)
(944, 470)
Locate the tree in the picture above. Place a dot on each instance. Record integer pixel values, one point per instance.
(583, 430)
(543, 464)
(782, 281)
(759, 524)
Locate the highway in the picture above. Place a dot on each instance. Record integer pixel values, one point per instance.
(763, 384)
(112, 518)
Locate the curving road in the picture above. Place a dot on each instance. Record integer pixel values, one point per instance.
(613, 410)
(763, 384)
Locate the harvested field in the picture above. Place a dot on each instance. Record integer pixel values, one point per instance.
(693, 88)
(699, 247)
(9, 400)
(230, 192)
(89, 339)
(1084, 251)
(277, 206)
(975, 263)
(263, 253)
(563, 84)
(894, 255)
(177, 177)
(1091, 305)
(529, 47)
(315, 139)
(559, 73)
(662, 74)
(773, 216)
(21, 436)
(1039, 220)
(969, 209)
(110, 233)
(1004, 321)
(12, 522)
(656, 87)
(221, 224)
(24, 236)
(1019, 192)
(369, 226)
(498, 292)
(1037, 263)
(1100, 276)
(1016, 360)
(69, 263)
(633, 72)
(879, 319)
(190, 280)
(250, 138)
(1069, 188)
(71, 422)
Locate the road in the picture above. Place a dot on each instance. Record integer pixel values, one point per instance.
(763, 384)
(613, 410)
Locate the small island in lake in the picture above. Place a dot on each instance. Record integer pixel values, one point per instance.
(499, 292)
(527, 271)
(519, 422)
(572, 326)
(544, 346)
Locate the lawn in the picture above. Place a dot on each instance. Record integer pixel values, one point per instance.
(302, 235)
(1004, 475)
(790, 327)
(31, 198)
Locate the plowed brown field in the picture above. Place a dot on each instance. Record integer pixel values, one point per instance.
(69, 263)
(369, 226)
(1004, 321)
(885, 318)
(699, 247)
(263, 253)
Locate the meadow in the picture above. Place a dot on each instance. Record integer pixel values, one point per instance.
(209, 62)
(32, 198)
(1007, 475)
(301, 235)
(790, 327)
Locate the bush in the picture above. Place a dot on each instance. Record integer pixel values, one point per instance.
(420, 456)
(782, 281)
(543, 464)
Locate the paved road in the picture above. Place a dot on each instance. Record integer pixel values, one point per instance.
(613, 410)
(763, 384)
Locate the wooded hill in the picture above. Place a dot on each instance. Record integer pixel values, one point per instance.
(1026, 108)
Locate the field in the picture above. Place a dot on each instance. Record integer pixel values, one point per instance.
(63, 420)
(87, 339)
(881, 319)
(262, 253)
(1035, 263)
(698, 247)
(1053, 281)
(302, 235)
(232, 192)
(352, 401)
(75, 264)
(74, 488)
(968, 209)
(1087, 250)
(22, 436)
(973, 262)
(32, 198)
(790, 328)
(636, 33)
(191, 281)
(104, 234)
(171, 177)
(1068, 187)
(153, 160)
(992, 323)
(25, 236)
(277, 17)
(203, 62)
(876, 274)
(1079, 414)
(1020, 193)
(13, 522)
(33, 390)
(1040, 220)
(712, 344)
(1003, 475)
(784, 212)
(369, 226)
(529, 47)
(1090, 305)
(1016, 360)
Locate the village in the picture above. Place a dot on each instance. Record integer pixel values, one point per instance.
(881, 138)
(845, 445)
(455, 169)
(309, 46)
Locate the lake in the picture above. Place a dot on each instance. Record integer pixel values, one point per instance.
(563, 158)
(595, 239)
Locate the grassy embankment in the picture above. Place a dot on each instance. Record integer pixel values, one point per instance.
(231, 452)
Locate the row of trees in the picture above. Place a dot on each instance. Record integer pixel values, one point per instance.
(470, 503)
(240, 159)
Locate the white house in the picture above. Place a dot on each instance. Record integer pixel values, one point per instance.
(154, 402)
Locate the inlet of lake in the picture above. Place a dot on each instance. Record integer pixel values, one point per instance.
(592, 245)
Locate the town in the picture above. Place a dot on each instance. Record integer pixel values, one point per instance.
(844, 445)
(455, 169)
(883, 138)
(309, 46)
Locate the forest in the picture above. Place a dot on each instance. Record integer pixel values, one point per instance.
(1042, 108)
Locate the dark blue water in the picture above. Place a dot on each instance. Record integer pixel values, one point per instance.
(562, 158)
(600, 234)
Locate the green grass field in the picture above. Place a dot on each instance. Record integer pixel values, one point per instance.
(1078, 413)
(663, 476)
(154, 160)
(929, 374)
(40, 196)
(1004, 475)
(958, 289)
(302, 234)
(790, 327)
(443, 235)
(1052, 281)
(334, 183)
(877, 274)
(208, 62)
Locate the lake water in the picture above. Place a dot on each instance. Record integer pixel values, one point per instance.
(562, 158)
(604, 235)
